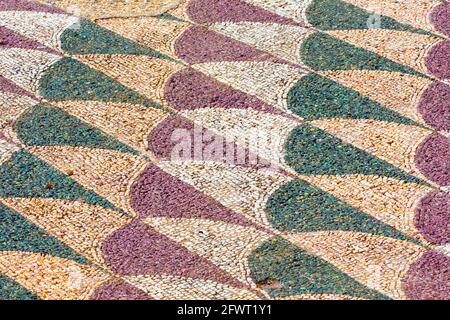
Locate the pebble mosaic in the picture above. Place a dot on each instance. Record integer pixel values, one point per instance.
(225, 149)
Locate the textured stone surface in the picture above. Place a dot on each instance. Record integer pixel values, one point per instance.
(224, 149)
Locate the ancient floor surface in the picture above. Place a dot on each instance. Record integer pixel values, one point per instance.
(225, 149)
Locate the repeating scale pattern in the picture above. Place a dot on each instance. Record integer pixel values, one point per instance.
(225, 149)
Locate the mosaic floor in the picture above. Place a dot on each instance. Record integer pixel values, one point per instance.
(225, 149)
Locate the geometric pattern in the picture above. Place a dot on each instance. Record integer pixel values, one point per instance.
(225, 149)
